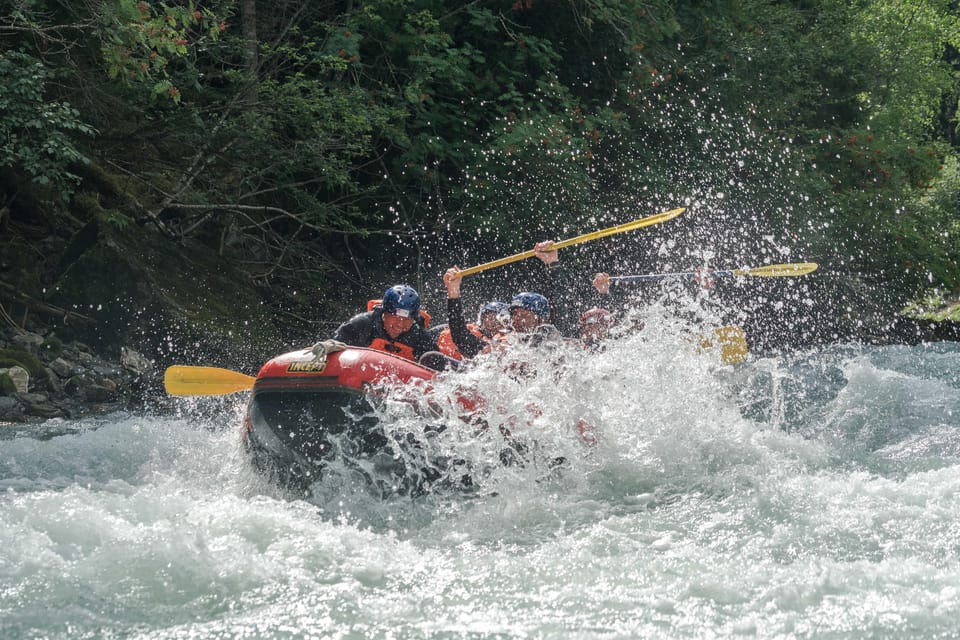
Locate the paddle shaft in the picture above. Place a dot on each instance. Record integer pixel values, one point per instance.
(602, 233)
(768, 271)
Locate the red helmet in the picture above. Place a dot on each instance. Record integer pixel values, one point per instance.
(596, 315)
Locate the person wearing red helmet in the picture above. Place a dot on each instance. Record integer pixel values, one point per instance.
(595, 326)
(396, 326)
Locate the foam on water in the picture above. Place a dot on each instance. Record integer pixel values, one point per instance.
(809, 495)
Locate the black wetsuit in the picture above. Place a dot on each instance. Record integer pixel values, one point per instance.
(467, 343)
(564, 303)
(366, 330)
(568, 302)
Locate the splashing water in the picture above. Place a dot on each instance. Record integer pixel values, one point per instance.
(809, 495)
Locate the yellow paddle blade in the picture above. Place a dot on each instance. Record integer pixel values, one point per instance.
(602, 233)
(732, 342)
(777, 270)
(184, 380)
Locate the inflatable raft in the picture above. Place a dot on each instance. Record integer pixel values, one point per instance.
(305, 412)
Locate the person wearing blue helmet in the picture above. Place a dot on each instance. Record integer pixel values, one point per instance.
(565, 299)
(531, 319)
(527, 310)
(491, 321)
(490, 317)
(396, 325)
(466, 341)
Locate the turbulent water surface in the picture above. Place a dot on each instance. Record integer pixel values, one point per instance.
(807, 495)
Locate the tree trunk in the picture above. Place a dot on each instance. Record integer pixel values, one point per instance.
(251, 60)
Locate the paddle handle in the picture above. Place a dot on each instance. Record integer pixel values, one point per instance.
(668, 276)
(496, 263)
(602, 233)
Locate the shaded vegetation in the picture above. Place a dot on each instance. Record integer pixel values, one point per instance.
(313, 152)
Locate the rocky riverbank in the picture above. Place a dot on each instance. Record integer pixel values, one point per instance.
(42, 378)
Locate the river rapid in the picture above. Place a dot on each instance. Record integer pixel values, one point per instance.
(811, 494)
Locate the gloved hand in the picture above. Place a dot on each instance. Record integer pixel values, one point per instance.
(324, 347)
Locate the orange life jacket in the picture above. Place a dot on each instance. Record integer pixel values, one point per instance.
(497, 342)
(447, 347)
(392, 347)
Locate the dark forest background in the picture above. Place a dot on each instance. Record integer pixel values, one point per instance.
(246, 174)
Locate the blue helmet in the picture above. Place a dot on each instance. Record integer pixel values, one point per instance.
(531, 302)
(496, 307)
(402, 300)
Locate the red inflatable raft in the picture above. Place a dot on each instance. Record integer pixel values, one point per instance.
(304, 412)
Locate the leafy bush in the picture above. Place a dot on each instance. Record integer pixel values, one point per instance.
(36, 133)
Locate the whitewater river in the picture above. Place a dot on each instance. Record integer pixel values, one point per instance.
(814, 494)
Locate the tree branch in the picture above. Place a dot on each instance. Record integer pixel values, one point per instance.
(286, 214)
(43, 307)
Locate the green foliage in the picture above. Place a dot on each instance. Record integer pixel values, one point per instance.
(506, 109)
(933, 306)
(37, 133)
(926, 234)
(144, 38)
(318, 131)
(909, 75)
(854, 91)
(883, 162)
(819, 127)
(117, 219)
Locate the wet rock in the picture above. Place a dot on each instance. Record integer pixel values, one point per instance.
(52, 347)
(11, 409)
(135, 362)
(63, 368)
(7, 386)
(70, 382)
(74, 385)
(46, 410)
(100, 393)
(28, 340)
(19, 376)
(21, 358)
(105, 370)
(56, 387)
(37, 404)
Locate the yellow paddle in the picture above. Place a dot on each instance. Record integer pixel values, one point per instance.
(184, 380)
(771, 270)
(731, 340)
(602, 233)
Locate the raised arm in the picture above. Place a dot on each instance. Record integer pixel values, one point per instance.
(467, 344)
